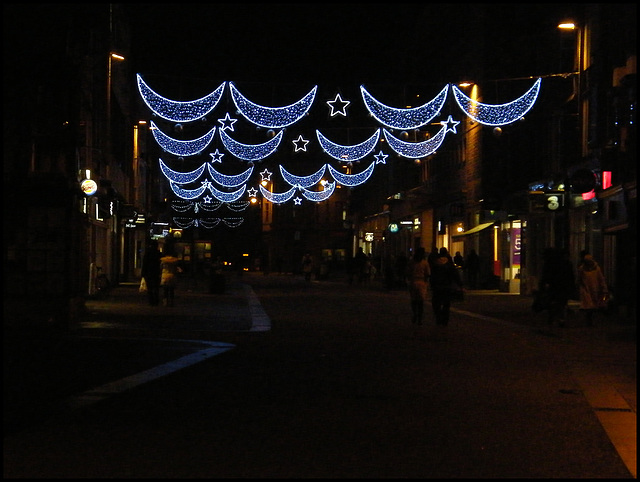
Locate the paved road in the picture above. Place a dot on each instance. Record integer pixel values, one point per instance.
(333, 381)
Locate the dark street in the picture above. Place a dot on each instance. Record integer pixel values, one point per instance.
(343, 385)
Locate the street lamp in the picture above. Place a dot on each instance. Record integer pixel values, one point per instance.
(580, 63)
(112, 56)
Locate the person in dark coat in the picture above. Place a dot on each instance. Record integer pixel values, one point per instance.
(417, 276)
(444, 279)
(472, 267)
(558, 281)
(151, 272)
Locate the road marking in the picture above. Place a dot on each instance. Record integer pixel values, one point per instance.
(109, 389)
(260, 321)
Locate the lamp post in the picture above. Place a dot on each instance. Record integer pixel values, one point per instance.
(112, 56)
(580, 63)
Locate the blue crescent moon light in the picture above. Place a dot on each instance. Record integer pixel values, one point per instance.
(248, 152)
(498, 114)
(416, 150)
(352, 180)
(229, 181)
(319, 196)
(181, 148)
(227, 197)
(277, 198)
(187, 193)
(180, 177)
(176, 111)
(410, 118)
(349, 153)
(272, 117)
(303, 181)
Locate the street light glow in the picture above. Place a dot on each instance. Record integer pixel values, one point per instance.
(567, 26)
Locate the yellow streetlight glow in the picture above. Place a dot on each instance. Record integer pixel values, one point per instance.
(567, 26)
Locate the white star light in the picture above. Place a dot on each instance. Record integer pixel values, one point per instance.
(266, 175)
(297, 201)
(216, 156)
(253, 192)
(450, 125)
(300, 143)
(227, 122)
(381, 158)
(342, 110)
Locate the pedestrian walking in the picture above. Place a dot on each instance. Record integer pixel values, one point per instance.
(216, 277)
(444, 280)
(472, 266)
(592, 286)
(151, 272)
(558, 282)
(307, 266)
(458, 260)
(401, 267)
(169, 276)
(433, 256)
(360, 261)
(417, 275)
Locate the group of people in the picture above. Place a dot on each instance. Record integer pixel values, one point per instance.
(440, 273)
(160, 270)
(437, 273)
(559, 284)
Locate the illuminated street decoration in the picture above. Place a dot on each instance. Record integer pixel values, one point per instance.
(209, 198)
(318, 196)
(233, 222)
(180, 177)
(227, 123)
(182, 205)
(352, 180)
(342, 109)
(238, 206)
(181, 148)
(277, 198)
(175, 111)
(187, 193)
(381, 157)
(266, 175)
(415, 150)
(272, 117)
(227, 197)
(250, 152)
(348, 153)
(229, 181)
(207, 223)
(300, 144)
(216, 156)
(303, 181)
(409, 118)
(498, 114)
(450, 124)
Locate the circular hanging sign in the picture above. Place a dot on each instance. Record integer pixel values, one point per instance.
(393, 228)
(583, 180)
(89, 187)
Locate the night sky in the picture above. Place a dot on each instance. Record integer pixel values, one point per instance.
(343, 42)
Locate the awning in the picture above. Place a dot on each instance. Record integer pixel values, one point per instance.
(475, 229)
